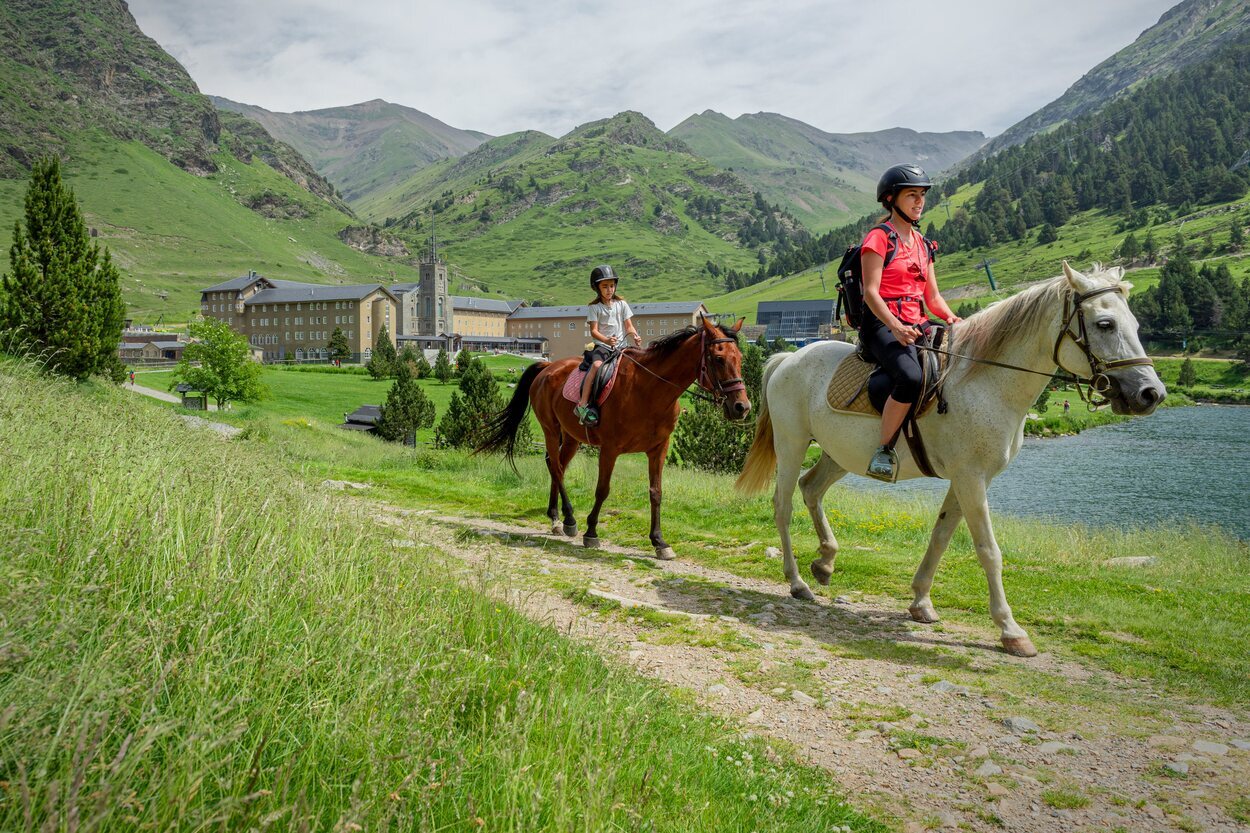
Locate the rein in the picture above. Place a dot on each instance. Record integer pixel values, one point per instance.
(1096, 384)
(715, 395)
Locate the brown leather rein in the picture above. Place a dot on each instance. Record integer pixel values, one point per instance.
(1098, 382)
(715, 394)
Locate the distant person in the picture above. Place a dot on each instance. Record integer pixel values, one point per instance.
(896, 296)
(610, 319)
(132, 378)
(1065, 407)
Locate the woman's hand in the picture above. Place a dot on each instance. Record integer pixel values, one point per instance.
(954, 319)
(905, 333)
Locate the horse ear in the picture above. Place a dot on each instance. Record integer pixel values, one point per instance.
(707, 323)
(1075, 279)
(738, 326)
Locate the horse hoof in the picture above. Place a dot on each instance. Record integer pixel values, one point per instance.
(803, 594)
(556, 528)
(924, 613)
(570, 530)
(665, 553)
(1019, 646)
(590, 542)
(821, 573)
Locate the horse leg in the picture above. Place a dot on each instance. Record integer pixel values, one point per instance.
(607, 461)
(948, 519)
(568, 447)
(789, 462)
(814, 483)
(655, 474)
(971, 494)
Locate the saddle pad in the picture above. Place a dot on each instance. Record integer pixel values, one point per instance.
(851, 377)
(573, 387)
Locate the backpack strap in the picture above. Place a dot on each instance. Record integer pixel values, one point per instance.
(891, 237)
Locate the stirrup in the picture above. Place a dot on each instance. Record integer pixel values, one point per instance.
(883, 465)
(585, 414)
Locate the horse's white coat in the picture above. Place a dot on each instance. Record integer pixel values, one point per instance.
(970, 444)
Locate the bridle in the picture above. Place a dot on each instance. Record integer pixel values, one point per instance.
(717, 390)
(723, 387)
(1098, 382)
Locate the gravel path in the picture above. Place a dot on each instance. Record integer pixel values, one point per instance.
(924, 727)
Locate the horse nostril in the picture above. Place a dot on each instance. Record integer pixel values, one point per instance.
(1149, 396)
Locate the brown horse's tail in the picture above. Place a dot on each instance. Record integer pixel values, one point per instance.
(503, 426)
(761, 460)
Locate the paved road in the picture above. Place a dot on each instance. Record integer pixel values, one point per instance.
(164, 396)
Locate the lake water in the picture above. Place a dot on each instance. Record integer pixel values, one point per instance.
(1190, 463)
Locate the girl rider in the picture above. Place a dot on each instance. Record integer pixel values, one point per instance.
(610, 318)
(896, 296)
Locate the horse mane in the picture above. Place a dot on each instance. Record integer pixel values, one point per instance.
(985, 334)
(667, 344)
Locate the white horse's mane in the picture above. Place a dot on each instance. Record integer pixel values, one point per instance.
(986, 334)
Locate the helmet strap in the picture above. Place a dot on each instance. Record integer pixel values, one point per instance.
(895, 212)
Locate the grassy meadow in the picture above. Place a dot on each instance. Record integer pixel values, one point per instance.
(1155, 622)
(195, 636)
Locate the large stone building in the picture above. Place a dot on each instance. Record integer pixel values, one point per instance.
(566, 331)
(287, 320)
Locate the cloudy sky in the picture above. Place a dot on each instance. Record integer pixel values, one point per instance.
(504, 65)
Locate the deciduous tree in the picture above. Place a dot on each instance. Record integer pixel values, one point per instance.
(219, 362)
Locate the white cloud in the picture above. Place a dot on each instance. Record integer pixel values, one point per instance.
(506, 65)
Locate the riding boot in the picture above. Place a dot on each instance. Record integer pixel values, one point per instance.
(883, 465)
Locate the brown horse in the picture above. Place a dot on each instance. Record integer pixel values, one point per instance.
(638, 417)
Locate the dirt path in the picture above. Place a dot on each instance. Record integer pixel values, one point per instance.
(926, 727)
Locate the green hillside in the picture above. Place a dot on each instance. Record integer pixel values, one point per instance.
(424, 186)
(824, 179)
(528, 216)
(173, 233)
(364, 149)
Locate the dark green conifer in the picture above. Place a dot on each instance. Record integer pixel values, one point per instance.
(62, 299)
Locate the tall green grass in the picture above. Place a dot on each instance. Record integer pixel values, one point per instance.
(191, 638)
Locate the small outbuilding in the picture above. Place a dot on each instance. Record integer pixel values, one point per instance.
(364, 418)
(192, 399)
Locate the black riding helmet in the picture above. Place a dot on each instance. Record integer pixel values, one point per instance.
(601, 273)
(899, 177)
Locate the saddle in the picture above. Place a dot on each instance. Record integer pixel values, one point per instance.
(861, 386)
(599, 388)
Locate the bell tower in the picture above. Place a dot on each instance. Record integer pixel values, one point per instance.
(434, 313)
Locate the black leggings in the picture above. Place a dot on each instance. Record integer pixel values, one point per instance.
(901, 362)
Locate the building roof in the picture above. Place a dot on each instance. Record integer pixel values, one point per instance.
(234, 284)
(502, 339)
(463, 302)
(292, 292)
(168, 345)
(659, 308)
(365, 414)
(810, 305)
(402, 288)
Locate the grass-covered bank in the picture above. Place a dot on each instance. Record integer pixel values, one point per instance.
(1176, 622)
(190, 638)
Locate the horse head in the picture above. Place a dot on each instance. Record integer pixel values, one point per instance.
(1099, 342)
(720, 369)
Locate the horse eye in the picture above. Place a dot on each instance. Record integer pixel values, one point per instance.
(1106, 324)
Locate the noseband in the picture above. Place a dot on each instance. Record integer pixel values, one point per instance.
(1098, 382)
(718, 390)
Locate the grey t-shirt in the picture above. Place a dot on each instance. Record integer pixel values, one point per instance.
(611, 319)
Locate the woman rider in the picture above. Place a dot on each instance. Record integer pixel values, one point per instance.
(896, 295)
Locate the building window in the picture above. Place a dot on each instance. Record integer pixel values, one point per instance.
(572, 325)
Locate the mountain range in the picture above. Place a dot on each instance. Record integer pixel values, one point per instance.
(187, 190)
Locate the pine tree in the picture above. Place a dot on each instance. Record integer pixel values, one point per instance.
(467, 420)
(1130, 248)
(1047, 234)
(442, 366)
(62, 300)
(382, 363)
(338, 348)
(463, 358)
(407, 409)
(422, 369)
(1236, 235)
(1188, 376)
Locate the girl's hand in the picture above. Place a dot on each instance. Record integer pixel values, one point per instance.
(954, 319)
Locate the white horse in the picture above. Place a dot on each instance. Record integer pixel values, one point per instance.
(981, 432)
